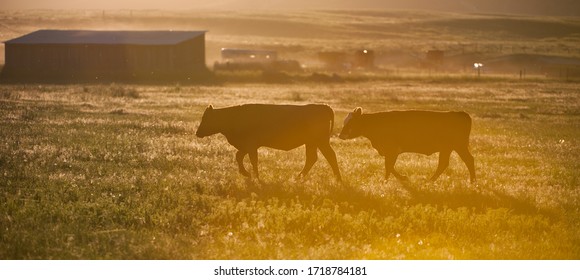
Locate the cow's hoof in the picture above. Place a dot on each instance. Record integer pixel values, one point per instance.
(403, 178)
(300, 177)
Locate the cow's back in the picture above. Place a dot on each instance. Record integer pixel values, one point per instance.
(262, 117)
(282, 126)
(421, 131)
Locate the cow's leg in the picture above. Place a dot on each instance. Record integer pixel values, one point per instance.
(399, 176)
(254, 160)
(240, 159)
(443, 164)
(330, 156)
(469, 162)
(311, 157)
(390, 159)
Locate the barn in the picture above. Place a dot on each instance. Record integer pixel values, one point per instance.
(105, 55)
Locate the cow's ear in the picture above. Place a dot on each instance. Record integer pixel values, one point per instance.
(210, 107)
(358, 111)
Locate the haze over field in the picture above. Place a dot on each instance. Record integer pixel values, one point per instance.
(536, 7)
(109, 167)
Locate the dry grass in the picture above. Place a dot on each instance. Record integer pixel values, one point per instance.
(89, 173)
(115, 171)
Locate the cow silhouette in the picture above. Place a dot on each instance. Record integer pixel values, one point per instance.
(284, 127)
(425, 132)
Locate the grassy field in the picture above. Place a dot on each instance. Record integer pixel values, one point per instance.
(116, 172)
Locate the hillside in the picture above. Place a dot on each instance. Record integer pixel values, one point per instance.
(531, 7)
(400, 38)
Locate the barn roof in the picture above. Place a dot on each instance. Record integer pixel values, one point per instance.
(106, 37)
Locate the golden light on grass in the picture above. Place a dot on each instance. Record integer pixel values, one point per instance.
(145, 172)
(114, 171)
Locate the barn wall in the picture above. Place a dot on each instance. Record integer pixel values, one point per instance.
(190, 55)
(97, 62)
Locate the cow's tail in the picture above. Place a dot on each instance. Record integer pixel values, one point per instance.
(331, 117)
(467, 126)
(331, 123)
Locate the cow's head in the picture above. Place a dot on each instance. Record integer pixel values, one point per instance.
(207, 126)
(350, 128)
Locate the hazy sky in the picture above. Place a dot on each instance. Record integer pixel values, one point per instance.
(548, 7)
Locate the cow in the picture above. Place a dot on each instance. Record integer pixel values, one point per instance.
(426, 132)
(284, 127)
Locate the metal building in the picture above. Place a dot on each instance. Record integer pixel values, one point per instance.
(105, 55)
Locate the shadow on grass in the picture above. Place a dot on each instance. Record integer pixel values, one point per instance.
(348, 197)
(473, 197)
